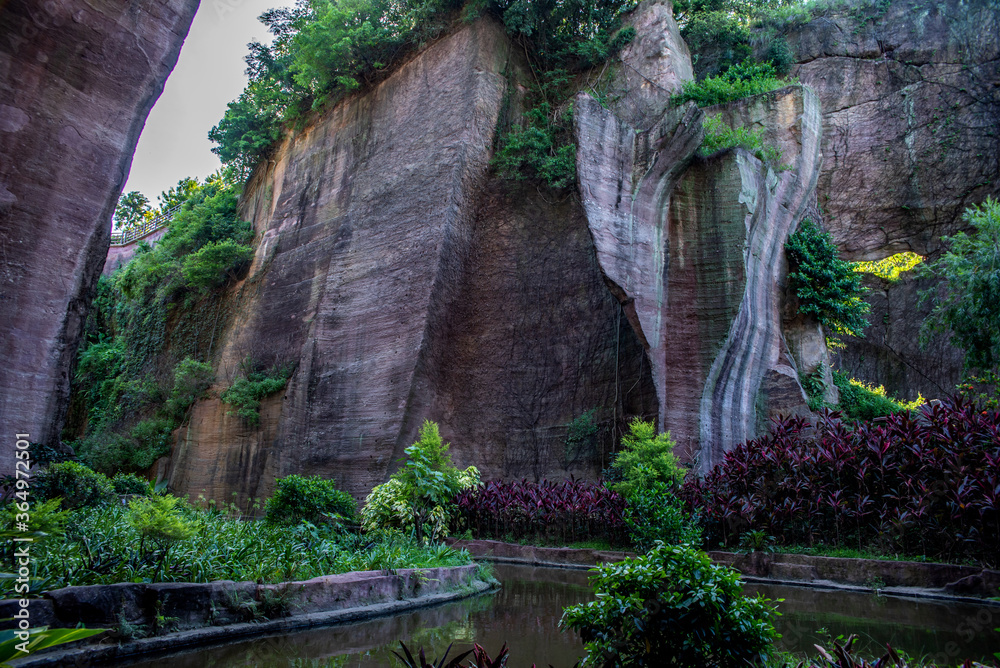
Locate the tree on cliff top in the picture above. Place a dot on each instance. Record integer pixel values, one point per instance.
(132, 210)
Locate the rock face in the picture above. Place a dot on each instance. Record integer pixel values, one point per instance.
(911, 116)
(77, 80)
(694, 248)
(402, 284)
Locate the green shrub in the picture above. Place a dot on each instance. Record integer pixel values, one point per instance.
(246, 392)
(301, 499)
(645, 458)
(77, 485)
(717, 40)
(859, 401)
(827, 287)
(654, 513)
(541, 150)
(672, 607)
(420, 497)
(191, 379)
(129, 483)
(719, 136)
(45, 519)
(160, 521)
(214, 264)
(739, 81)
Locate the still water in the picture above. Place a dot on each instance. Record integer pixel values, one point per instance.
(525, 613)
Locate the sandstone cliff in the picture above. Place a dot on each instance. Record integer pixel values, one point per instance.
(77, 80)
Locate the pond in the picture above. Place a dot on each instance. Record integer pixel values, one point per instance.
(526, 612)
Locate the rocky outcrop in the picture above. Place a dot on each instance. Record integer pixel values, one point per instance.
(911, 113)
(402, 282)
(693, 248)
(77, 80)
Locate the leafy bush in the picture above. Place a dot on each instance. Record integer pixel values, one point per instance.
(674, 607)
(645, 458)
(77, 485)
(159, 520)
(655, 513)
(307, 499)
(420, 497)
(129, 483)
(541, 150)
(920, 483)
(718, 39)
(719, 136)
(191, 379)
(246, 392)
(45, 517)
(739, 81)
(859, 401)
(826, 286)
(890, 268)
(566, 512)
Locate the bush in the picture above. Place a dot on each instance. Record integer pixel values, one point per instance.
(44, 517)
(672, 607)
(739, 81)
(420, 497)
(215, 263)
(129, 483)
(565, 512)
(924, 483)
(859, 401)
(159, 520)
(645, 458)
(307, 499)
(77, 485)
(827, 287)
(719, 136)
(541, 150)
(191, 380)
(246, 393)
(655, 513)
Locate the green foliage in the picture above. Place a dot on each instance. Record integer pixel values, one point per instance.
(39, 638)
(131, 211)
(191, 379)
(77, 485)
(737, 82)
(129, 483)
(890, 268)
(719, 136)
(185, 189)
(45, 518)
(673, 607)
(968, 303)
(581, 437)
(246, 392)
(654, 513)
(215, 263)
(859, 401)
(645, 458)
(542, 150)
(159, 520)
(717, 39)
(100, 548)
(307, 499)
(420, 497)
(827, 287)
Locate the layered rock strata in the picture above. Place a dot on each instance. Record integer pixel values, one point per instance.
(77, 80)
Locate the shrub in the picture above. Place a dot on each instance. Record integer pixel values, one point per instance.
(420, 497)
(655, 513)
(159, 520)
(827, 287)
(645, 458)
(246, 392)
(889, 268)
(154, 437)
(307, 499)
(674, 607)
(215, 263)
(859, 401)
(717, 40)
(44, 517)
(719, 136)
(920, 483)
(739, 81)
(77, 485)
(541, 150)
(129, 483)
(568, 511)
(191, 379)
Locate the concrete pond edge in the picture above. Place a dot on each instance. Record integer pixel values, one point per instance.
(912, 579)
(322, 601)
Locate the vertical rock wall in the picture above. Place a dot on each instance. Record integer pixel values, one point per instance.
(77, 80)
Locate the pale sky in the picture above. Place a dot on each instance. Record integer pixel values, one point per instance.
(209, 75)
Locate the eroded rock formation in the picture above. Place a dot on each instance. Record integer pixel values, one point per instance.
(77, 80)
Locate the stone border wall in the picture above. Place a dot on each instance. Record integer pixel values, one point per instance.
(558, 557)
(208, 612)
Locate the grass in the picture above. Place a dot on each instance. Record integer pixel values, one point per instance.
(100, 546)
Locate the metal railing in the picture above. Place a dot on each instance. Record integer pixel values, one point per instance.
(147, 228)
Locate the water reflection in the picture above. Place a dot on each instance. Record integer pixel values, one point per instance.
(526, 611)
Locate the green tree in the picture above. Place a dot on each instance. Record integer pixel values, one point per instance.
(827, 287)
(132, 210)
(646, 457)
(968, 301)
(185, 189)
